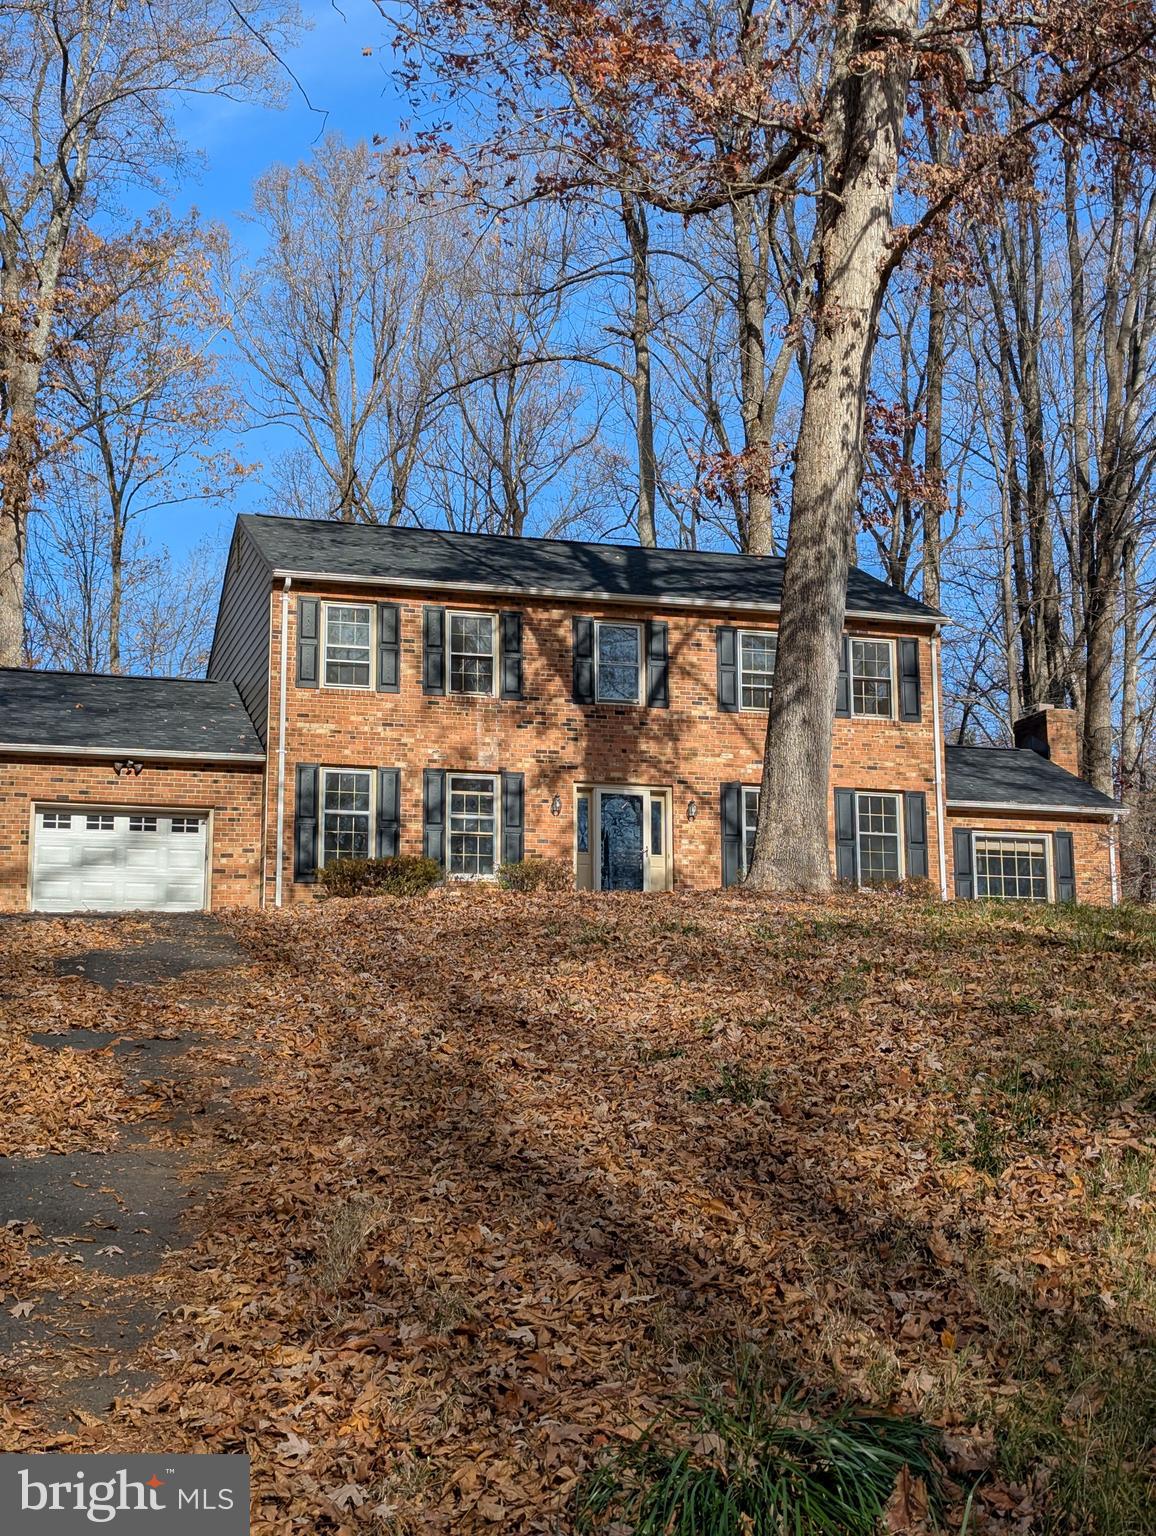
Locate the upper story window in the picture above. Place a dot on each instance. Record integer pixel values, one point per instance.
(872, 678)
(757, 650)
(348, 640)
(618, 663)
(472, 644)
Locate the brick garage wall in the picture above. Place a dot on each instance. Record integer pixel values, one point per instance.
(691, 747)
(234, 794)
(1090, 847)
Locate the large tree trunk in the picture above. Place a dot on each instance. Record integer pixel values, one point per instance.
(16, 471)
(751, 313)
(638, 241)
(862, 131)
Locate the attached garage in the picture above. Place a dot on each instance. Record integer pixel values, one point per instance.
(123, 794)
(115, 861)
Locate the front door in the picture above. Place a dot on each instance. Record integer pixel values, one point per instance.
(623, 852)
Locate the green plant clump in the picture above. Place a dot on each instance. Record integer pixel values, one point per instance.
(401, 876)
(749, 1465)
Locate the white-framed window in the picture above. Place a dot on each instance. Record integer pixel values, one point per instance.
(1011, 868)
(99, 821)
(872, 678)
(346, 813)
(879, 832)
(757, 651)
(183, 824)
(750, 825)
(55, 821)
(472, 647)
(618, 663)
(144, 824)
(472, 805)
(348, 645)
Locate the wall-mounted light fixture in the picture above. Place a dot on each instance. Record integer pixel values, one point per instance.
(128, 767)
(691, 810)
(556, 806)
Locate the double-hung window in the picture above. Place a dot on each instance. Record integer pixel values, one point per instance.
(872, 686)
(618, 663)
(1011, 868)
(348, 640)
(878, 828)
(757, 650)
(473, 824)
(345, 814)
(471, 643)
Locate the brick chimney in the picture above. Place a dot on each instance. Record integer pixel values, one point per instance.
(1050, 731)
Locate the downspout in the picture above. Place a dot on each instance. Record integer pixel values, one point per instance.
(939, 749)
(281, 740)
(1113, 832)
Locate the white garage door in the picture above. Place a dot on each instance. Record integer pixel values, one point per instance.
(106, 861)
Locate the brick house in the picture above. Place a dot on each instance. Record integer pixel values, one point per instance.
(375, 690)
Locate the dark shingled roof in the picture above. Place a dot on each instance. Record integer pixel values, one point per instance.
(433, 558)
(149, 715)
(1017, 776)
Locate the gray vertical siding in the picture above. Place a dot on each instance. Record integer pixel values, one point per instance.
(241, 639)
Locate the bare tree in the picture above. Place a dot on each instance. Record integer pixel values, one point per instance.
(87, 93)
(337, 319)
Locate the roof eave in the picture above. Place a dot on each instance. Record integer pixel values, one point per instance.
(144, 754)
(928, 620)
(1021, 808)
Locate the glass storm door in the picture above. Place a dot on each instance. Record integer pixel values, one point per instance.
(622, 823)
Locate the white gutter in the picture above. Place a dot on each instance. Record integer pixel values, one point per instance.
(1039, 810)
(940, 819)
(281, 740)
(568, 594)
(138, 754)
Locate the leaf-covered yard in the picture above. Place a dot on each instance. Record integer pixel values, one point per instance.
(515, 1174)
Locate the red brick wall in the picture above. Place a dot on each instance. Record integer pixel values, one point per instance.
(691, 747)
(1090, 847)
(234, 795)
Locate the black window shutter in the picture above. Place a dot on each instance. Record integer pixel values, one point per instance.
(305, 823)
(846, 842)
(387, 836)
(915, 825)
(843, 681)
(728, 668)
(910, 703)
(388, 648)
(434, 815)
(731, 814)
(513, 827)
(308, 641)
(433, 660)
(961, 846)
(657, 685)
(583, 661)
(1065, 860)
(510, 639)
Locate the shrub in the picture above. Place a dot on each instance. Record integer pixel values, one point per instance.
(402, 876)
(536, 875)
(753, 1464)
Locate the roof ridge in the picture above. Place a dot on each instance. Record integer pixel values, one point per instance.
(119, 677)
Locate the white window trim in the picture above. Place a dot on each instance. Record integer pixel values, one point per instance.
(1011, 837)
(900, 826)
(325, 772)
(466, 613)
(619, 624)
(744, 791)
(852, 641)
(346, 687)
(496, 780)
(749, 709)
